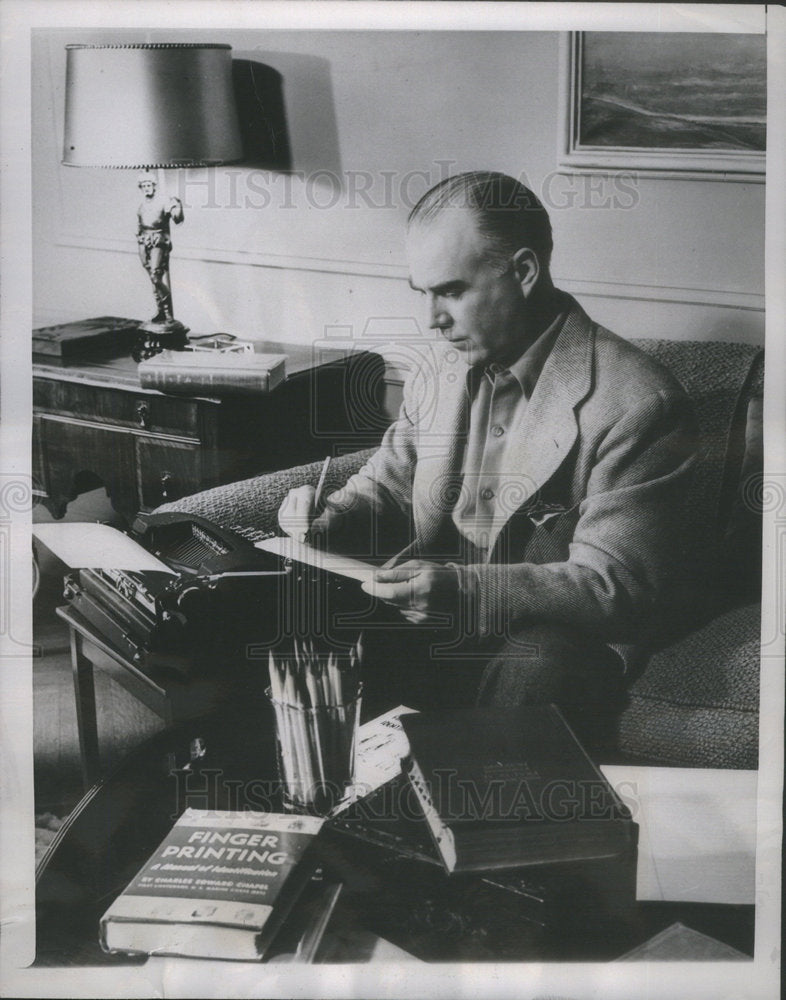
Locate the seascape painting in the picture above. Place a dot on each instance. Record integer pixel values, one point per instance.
(673, 91)
(679, 104)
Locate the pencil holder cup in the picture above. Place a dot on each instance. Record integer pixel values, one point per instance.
(315, 750)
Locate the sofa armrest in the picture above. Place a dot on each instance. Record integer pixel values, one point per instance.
(697, 702)
(254, 503)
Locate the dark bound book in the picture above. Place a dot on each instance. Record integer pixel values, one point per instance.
(85, 338)
(219, 886)
(502, 789)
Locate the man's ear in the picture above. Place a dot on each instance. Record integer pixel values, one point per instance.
(527, 269)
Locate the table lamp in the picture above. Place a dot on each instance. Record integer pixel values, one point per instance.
(146, 107)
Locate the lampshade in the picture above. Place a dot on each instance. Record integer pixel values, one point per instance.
(150, 105)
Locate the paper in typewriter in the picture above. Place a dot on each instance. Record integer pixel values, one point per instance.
(89, 545)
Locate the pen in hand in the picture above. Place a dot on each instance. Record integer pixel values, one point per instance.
(321, 482)
(400, 556)
(318, 493)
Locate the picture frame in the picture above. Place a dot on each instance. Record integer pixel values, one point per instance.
(612, 121)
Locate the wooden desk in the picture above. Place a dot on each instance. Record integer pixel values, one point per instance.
(94, 424)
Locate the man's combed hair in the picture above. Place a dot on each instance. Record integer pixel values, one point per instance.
(508, 214)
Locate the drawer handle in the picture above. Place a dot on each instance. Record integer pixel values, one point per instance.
(142, 410)
(166, 482)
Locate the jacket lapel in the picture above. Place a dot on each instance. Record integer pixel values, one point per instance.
(549, 427)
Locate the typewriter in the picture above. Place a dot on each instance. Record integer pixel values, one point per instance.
(224, 600)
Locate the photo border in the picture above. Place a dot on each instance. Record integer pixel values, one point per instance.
(700, 981)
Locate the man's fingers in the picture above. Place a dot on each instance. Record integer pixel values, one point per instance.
(400, 594)
(399, 574)
(297, 511)
(414, 616)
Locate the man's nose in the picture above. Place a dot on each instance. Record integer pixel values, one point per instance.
(439, 318)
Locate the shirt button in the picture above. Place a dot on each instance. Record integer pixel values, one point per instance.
(497, 430)
(487, 493)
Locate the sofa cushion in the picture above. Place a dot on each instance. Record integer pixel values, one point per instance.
(719, 378)
(697, 703)
(253, 503)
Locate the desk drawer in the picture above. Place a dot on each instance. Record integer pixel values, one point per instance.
(167, 470)
(121, 407)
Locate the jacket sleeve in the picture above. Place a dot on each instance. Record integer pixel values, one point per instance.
(625, 542)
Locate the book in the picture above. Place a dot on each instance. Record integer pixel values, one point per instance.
(383, 810)
(300, 938)
(387, 817)
(580, 910)
(220, 885)
(507, 788)
(85, 338)
(192, 372)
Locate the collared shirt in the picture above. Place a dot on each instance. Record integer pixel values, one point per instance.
(498, 401)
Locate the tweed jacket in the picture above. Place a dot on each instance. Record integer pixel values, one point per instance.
(589, 533)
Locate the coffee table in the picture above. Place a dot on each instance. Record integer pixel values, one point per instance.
(697, 847)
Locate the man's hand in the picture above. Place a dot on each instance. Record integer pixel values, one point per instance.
(420, 589)
(297, 512)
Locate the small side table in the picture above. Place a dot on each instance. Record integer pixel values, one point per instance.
(170, 698)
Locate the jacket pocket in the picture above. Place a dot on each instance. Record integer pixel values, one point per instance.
(552, 536)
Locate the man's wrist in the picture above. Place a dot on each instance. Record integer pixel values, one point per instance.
(468, 580)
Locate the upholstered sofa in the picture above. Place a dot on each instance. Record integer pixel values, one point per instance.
(695, 700)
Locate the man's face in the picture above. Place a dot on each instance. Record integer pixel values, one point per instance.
(477, 309)
(148, 188)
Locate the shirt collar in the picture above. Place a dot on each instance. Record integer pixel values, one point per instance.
(526, 369)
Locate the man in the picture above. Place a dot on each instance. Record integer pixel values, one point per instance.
(535, 473)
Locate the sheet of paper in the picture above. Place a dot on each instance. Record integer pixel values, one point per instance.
(678, 943)
(380, 746)
(90, 545)
(331, 562)
(697, 832)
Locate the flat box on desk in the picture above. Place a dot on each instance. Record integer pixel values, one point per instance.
(502, 788)
(85, 338)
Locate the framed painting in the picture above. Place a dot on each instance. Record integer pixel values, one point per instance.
(684, 104)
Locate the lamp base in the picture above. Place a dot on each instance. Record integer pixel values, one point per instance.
(169, 335)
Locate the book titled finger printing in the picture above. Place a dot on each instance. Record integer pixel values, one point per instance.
(220, 885)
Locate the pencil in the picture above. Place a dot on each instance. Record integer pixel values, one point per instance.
(408, 550)
(321, 482)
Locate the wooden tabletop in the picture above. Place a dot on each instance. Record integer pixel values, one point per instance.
(122, 372)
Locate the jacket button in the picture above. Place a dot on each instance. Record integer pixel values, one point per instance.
(497, 430)
(487, 493)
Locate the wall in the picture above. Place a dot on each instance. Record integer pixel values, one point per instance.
(375, 118)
